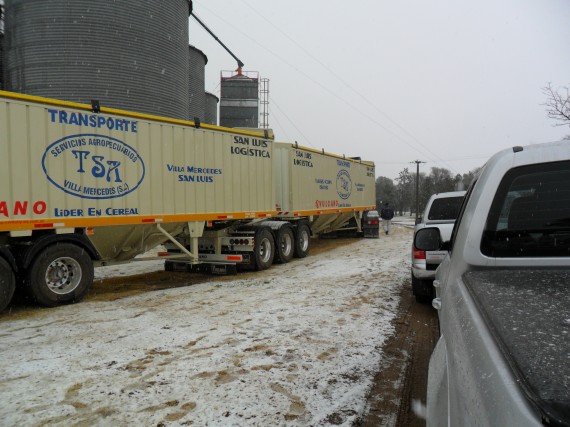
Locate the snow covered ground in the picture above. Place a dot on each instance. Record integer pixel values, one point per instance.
(407, 221)
(297, 345)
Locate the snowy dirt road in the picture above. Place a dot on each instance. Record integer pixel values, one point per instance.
(297, 345)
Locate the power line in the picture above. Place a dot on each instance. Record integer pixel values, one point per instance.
(317, 83)
(279, 123)
(345, 83)
(291, 121)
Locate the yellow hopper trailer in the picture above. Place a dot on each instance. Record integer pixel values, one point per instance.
(83, 186)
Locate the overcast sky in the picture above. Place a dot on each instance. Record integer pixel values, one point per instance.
(448, 82)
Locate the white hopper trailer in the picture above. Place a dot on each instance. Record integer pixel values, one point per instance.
(83, 186)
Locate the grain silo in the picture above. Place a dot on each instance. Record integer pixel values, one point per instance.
(197, 61)
(1, 59)
(239, 103)
(128, 54)
(211, 109)
(1, 43)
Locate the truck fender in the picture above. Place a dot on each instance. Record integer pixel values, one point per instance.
(273, 225)
(305, 223)
(45, 240)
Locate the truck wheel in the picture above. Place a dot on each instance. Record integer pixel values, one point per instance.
(285, 244)
(7, 284)
(264, 249)
(60, 274)
(302, 241)
(423, 290)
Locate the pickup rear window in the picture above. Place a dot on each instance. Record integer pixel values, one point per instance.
(530, 215)
(445, 209)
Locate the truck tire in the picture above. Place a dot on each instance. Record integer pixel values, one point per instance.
(284, 244)
(302, 240)
(264, 250)
(422, 290)
(60, 274)
(7, 284)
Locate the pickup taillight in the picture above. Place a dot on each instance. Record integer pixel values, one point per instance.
(419, 254)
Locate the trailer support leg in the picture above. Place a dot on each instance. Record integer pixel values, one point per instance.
(358, 218)
(195, 231)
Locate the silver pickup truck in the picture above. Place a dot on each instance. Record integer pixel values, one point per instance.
(503, 296)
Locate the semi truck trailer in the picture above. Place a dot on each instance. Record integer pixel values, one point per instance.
(84, 186)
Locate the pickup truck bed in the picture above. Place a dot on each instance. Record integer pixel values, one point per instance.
(528, 313)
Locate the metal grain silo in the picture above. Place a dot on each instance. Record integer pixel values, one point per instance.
(1, 60)
(211, 109)
(197, 61)
(128, 54)
(1, 43)
(239, 103)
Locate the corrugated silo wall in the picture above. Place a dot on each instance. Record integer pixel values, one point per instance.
(1, 43)
(1, 60)
(197, 85)
(239, 103)
(211, 109)
(128, 54)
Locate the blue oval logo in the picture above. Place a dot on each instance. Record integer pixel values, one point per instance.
(93, 166)
(343, 184)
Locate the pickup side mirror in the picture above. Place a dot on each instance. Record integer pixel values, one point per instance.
(418, 220)
(428, 239)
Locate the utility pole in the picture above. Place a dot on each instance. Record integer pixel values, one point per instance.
(417, 162)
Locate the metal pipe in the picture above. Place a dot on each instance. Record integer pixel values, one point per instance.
(240, 64)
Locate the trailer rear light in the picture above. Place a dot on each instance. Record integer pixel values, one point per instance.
(151, 220)
(50, 225)
(419, 254)
(164, 254)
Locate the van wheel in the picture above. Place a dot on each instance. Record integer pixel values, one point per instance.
(7, 284)
(264, 249)
(60, 274)
(302, 241)
(285, 244)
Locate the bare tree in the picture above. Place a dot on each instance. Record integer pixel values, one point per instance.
(557, 104)
(404, 192)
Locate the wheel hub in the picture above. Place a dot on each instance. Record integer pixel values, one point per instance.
(63, 275)
(265, 250)
(286, 244)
